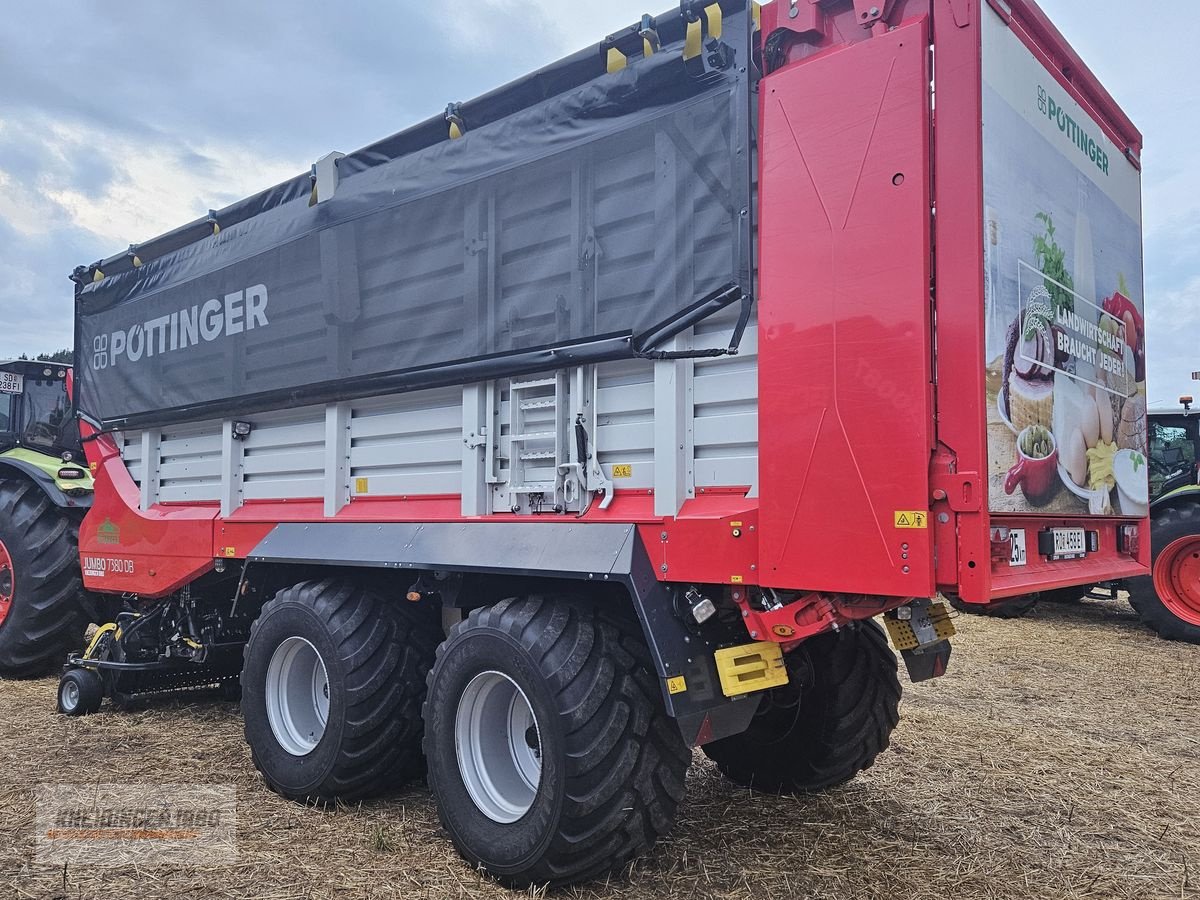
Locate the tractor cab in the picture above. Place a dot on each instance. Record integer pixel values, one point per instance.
(35, 409)
(1174, 450)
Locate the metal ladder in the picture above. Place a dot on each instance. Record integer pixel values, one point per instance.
(537, 437)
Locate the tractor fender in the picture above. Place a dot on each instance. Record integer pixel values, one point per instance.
(10, 466)
(1178, 497)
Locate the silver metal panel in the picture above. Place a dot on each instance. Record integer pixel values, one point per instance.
(408, 444)
(189, 463)
(283, 457)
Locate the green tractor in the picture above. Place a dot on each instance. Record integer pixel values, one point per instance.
(1169, 600)
(45, 491)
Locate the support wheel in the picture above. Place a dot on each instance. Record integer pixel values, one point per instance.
(550, 756)
(332, 688)
(829, 723)
(80, 692)
(1009, 608)
(41, 593)
(1169, 600)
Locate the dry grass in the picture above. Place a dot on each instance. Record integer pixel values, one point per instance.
(1057, 760)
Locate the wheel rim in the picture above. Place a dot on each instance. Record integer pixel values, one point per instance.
(297, 696)
(8, 582)
(1177, 578)
(70, 695)
(499, 746)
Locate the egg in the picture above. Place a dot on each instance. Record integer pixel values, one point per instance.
(1106, 419)
(1090, 418)
(1074, 457)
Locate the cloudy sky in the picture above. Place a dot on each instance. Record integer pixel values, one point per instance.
(119, 121)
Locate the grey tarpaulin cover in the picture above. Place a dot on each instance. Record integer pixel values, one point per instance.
(574, 224)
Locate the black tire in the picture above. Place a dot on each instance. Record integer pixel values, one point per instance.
(612, 763)
(80, 692)
(46, 618)
(376, 653)
(1065, 595)
(830, 722)
(1009, 608)
(1169, 526)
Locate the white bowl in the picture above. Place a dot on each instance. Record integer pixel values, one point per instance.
(1133, 482)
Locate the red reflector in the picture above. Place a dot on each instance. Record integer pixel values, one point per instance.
(1001, 545)
(1128, 540)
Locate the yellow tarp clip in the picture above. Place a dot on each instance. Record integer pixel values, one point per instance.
(716, 21)
(454, 117)
(693, 46)
(616, 60)
(651, 42)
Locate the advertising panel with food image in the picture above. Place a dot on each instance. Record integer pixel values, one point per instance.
(1065, 327)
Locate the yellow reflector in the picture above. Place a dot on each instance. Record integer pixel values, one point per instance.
(647, 47)
(751, 667)
(455, 131)
(757, 12)
(904, 638)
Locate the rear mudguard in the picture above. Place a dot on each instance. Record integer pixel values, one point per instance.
(592, 552)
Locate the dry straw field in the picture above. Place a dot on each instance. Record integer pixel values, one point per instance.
(1058, 760)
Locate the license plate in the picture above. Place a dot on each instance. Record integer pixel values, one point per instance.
(1069, 543)
(11, 383)
(1017, 538)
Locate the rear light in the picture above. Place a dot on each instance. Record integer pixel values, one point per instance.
(71, 474)
(1128, 540)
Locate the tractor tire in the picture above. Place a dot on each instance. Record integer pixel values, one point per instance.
(1010, 608)
(551, 758)
(1168, 600)
(332, 687)
(830, 722)
(42, 615)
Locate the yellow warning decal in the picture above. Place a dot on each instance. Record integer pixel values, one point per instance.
(912, 519)
(361, 486)
(229, 552)
(735, 524)
(625, 471)
(736, 579)
(676, 685)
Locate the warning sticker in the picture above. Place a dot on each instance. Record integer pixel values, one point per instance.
(361, 486)
(912, 519)
(676, 685)
(625, 471)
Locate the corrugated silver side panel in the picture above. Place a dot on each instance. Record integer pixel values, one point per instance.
(408, 444)
(283, 457)
(725, 409)
(189, 463)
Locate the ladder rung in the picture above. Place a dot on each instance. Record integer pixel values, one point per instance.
(541, 454)
(539, 404)
(534, 487)
(526, 385)
(534, 436)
